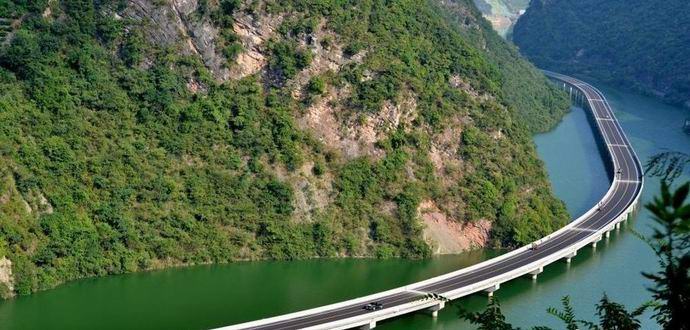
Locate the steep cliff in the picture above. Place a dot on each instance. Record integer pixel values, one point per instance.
(147, 133)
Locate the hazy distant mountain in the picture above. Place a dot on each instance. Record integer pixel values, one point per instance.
(502, 13)
(637, 44)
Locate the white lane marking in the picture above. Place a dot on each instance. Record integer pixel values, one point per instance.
(557, 245)
(418, 292)
(583, 229)
(606, 119)
(617, 145)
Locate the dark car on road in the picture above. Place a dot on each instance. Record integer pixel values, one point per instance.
(373, 306)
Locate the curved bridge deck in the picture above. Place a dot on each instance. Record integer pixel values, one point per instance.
(615, 207)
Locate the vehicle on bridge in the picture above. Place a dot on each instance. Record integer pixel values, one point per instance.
(535, 246)
(615, 207)
(373, 306)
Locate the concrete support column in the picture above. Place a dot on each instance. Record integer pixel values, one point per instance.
(618, 225)
(490, 291)
(434, 309)
(608, 234)
(369, 326)
(569, 257)
(594, 244)
(536, 272)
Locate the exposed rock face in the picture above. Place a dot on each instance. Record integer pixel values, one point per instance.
(444, 153)
(33, 202)
(325, 59)
(176, 24)
(253, 33)
(457, 82)
(37, 202)
(312, 193)
(357, 136)
(447, 236)
(6, 278)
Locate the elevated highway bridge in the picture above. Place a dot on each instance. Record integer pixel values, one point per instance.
(431, 295)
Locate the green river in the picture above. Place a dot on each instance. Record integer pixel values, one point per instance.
(211, 296)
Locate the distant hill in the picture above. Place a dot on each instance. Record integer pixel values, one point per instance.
(637, 44)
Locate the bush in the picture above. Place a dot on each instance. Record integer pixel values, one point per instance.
(232, 50)
(316, 86)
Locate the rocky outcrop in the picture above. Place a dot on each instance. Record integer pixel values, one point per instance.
(356, 136)
(177, 24)
(448, 236)
(253, 32)
(6, 278)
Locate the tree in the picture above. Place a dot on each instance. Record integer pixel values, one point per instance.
(671, 243)
(567, 315)
(491, 318)
(613, 315)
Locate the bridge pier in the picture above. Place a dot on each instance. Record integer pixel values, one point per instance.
(570, 256)
(490, 291)
(618, 225)
(369, 326)
(536, 272)
(434, 309)
(594, 244)
(607, 234)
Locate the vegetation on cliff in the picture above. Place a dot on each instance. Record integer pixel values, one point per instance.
(127, 145)
(641, 45)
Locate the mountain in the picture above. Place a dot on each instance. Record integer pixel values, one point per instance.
(144, 134)
(641, 45)
(502, 13)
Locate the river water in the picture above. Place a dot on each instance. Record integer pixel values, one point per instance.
(211, 296)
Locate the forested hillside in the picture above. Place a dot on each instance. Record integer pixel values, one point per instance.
(641, 45)
(148, 133)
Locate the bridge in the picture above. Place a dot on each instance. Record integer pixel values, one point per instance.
(617, 205)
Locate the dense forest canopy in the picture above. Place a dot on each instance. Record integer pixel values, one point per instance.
(128, 145)
(640, 45)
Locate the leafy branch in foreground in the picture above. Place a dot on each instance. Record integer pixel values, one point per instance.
(612, 316)
(671, 243)
(491, 318)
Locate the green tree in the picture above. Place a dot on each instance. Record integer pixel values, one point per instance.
(491, 318)
(671, 243)
(612, 316)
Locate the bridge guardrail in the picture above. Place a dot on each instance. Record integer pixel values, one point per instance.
(502, 278)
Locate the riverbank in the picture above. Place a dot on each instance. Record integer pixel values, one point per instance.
(208, 296)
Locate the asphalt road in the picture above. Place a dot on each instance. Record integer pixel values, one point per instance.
(625, 167)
